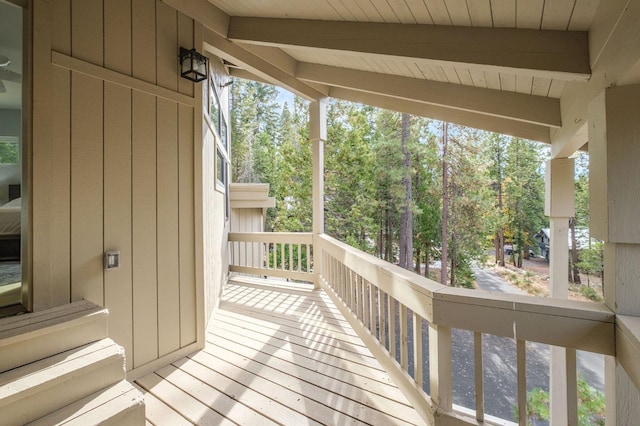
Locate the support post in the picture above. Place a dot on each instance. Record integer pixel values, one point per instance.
(318, 134)
(559, 206)
(614, 153)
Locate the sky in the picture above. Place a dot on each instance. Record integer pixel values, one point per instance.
(284, 96)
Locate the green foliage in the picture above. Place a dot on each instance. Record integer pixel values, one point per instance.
(592, 259)
(9, 152)
(591, 405)
(591, 294)
(349, 175)
(364, 191)
(524, 193)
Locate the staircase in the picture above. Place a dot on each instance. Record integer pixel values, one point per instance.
(59, 367)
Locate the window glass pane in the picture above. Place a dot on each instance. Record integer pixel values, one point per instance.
(220, 166)
(9, 150)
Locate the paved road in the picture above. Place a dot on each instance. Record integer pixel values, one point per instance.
(490, 281)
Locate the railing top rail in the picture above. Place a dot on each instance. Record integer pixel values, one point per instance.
(272, 237)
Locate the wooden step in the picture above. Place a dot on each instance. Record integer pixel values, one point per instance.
(34, 390)
(30, 337)
(120, 404)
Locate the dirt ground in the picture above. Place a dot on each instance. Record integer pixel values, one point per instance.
(534, 279)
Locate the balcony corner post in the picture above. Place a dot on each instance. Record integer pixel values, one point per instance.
(318, 134)
(559, 206)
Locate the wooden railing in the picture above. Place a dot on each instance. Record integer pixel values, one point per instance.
(391, 309)
(380, 300)
(272, 254)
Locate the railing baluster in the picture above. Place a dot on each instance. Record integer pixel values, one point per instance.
(372, 307)
(392, 326)
(360, 301)
(308, 258)
(521, 349)
(367, 304)
(477, 351)
(282, 263)
(299, 257)
(572, 388)
(349, 288)
(440, 377)
(290, 256)
(381, 317)
(417, 350)
(404, 338)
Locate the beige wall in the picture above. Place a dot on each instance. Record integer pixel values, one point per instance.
(116, 164)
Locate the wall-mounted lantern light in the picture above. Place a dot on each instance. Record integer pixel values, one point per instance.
(193, 66)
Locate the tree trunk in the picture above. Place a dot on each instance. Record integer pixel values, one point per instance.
(501, 229)
(418, 255)
(426, 261)
(453, 266)
(406, 215)
(445, 205)
(574, 252)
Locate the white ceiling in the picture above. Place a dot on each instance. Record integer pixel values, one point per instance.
(11, 47)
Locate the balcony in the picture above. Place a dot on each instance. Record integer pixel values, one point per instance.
(348, 350)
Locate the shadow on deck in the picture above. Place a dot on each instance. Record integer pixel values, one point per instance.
(276, 353)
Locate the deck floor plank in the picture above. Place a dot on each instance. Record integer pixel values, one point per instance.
(312, 383)
(276, 352)
(316, 358)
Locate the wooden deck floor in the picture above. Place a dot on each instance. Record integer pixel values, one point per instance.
(276, 353)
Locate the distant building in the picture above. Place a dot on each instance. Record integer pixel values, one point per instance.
(543, 238)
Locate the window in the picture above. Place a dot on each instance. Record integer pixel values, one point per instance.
(219, 126)
(9, 150)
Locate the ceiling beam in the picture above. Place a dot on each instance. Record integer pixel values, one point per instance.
(479, 121)
(204, 12)
(518, 106)
(264, 69)
(539, 53)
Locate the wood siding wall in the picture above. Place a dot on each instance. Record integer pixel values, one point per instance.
(116, 165)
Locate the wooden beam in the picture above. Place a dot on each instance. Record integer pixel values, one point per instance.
(505, 126)
(225, 49)
(517, 106)
(204, 12)
(548, 54)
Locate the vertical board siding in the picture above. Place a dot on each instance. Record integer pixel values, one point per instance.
(86, 189)
(166, 46)
(59, 205)
(168, 248)
(118, 285)
(115, 169)
(42, 92)
(186, 220)
(145, 268)
(86, 155)
(143, 43)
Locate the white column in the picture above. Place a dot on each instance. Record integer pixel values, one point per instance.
(318, 134)
(614, 194)
(559, 206)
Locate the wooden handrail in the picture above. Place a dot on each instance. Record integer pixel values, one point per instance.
(352, 277)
